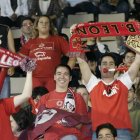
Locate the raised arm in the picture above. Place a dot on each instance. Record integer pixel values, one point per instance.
(27, 91)
(134, 68)
(85, 70)
(71, 62)
(11, 45)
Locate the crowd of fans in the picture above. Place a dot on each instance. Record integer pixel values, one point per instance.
(92, 104)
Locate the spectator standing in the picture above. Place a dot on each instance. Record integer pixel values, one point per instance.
(109, 95)
(47, 48)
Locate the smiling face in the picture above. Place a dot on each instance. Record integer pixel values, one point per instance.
(62, 78)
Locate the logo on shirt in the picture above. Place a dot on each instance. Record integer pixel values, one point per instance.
(113, 91)
(41, 56)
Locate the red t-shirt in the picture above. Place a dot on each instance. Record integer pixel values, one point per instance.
(112, 108)
(55, 100)
(6, 109)
(48, 53)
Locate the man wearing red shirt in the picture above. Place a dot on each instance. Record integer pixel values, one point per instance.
(63, 98)
(109, 95)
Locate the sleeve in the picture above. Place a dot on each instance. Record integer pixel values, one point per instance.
(42, 101)
(93, 81)
(80, 105)
(64, 45)
(125, 79)
(9, 106)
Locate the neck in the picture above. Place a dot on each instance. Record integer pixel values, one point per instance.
(63, 89)
(43, 35)
(108, 80)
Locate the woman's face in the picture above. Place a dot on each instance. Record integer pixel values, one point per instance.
(43, 25)
(14, 125)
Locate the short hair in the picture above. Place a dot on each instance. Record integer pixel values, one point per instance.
(22, 119)
(109, 55)
(26, 18)
(39, 91)
(90, 56)
(80, 86)
(128, 51)
(108, 126)
(64, 66)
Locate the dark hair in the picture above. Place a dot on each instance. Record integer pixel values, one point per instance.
(64, 66)
(91, 56)
(133, 87)
(26, 18)
(109, 55)
(65, 36)
(128, 51)
(39, 91)
(22, 119)
(108, 126)
(80, 86)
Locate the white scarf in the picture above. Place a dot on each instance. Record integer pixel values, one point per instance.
(69, 101)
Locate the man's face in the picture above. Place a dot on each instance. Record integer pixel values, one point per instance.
(27, 27)
(107, 63)
(62, 77)
(105, 134)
